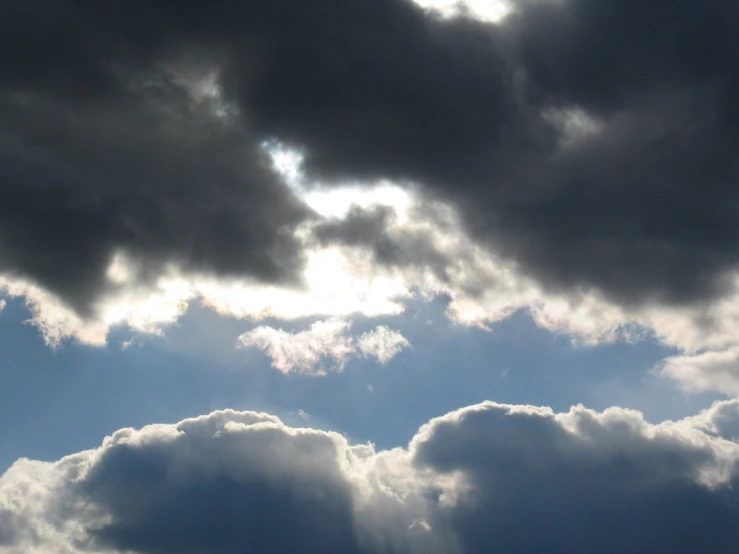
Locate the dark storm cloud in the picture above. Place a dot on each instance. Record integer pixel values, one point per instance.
(645, 208)
(485, 479)
(106, 146)
(101, 151)
(368, 228)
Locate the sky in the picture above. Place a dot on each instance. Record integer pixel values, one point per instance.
(388, 276)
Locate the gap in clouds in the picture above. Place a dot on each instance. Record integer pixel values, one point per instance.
(54, 402)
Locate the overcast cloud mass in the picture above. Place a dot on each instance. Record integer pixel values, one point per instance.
(593, 143)
(306, 168)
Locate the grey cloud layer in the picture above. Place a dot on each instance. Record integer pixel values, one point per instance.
(105, 146)
(487, 478)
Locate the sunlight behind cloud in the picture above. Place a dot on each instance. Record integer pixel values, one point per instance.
(341, 280)
(486, 10)
(336, 283)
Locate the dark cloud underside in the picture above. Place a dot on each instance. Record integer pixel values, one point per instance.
(525, 482)
(535, 487)
(104, 147)
(163, 502)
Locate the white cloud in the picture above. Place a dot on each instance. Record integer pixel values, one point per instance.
(325, 345)
(302, 352)
(721, 420)
(382, 343)
(712, 371)
(144, 310)
(420, 524)
(486, 478)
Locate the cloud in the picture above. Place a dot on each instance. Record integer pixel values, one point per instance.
(144, 310)
(110, 158)
(343, 278)
(573, 214)
(148, 139)
(525, 159)
(486, 10)
(227, 482)
(472, 481)
(304, 351)
(721, 420)
(382, 343)
(586, 481)
(712, 371)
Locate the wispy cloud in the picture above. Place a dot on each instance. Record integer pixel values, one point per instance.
(382, 343)
(324, 346)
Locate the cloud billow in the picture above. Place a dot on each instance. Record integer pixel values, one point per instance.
(592, 143)
(480, 479)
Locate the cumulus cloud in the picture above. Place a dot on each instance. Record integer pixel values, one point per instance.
(475, 480)
(226, 482)
(382, 343)
(142, 165)
(585, 481)
(721, 420)
(325, 341)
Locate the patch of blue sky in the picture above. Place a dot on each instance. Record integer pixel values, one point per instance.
(57, 401)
